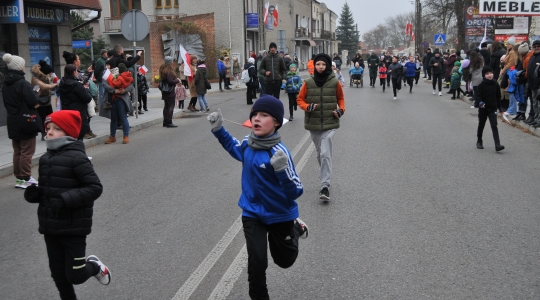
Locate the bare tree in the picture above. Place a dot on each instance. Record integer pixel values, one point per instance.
(395, 27)
(439, 14)
(376, 38)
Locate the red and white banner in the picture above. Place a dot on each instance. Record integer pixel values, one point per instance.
(270, 14)
(187, 62)
(408, 29)
(143, 70)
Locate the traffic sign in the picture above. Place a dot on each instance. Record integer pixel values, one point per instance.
(135, 25)
(81, 44)
(424, 44)
(440, 39)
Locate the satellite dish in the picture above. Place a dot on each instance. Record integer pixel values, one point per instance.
(323, 7)
(303, 23)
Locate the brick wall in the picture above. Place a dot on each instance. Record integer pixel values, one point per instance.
(203, 21)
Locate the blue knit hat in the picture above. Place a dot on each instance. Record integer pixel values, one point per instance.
(271, 105)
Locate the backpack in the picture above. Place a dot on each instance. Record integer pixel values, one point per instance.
(245, 75)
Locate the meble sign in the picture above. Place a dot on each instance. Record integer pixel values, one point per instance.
(501, 7)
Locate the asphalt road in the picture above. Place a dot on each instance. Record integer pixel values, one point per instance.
(417, 212)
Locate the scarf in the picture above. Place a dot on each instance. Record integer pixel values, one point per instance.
(60, 142)
(257, 143)
(320, 78)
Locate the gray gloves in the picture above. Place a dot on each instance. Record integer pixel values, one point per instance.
(279, 161)
(216, 120)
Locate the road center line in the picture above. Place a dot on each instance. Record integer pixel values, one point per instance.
(226, 283)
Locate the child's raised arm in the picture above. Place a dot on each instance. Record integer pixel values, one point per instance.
(229, 143)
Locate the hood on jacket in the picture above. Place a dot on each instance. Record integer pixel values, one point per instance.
(67, 84)
(12, 76)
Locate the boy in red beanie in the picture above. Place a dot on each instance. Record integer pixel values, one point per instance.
(68, 187)
(270, 187)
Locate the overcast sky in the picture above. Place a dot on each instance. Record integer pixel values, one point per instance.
(370, 13)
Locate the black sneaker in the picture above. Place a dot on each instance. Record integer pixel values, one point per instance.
(303, 228)
(324, 194)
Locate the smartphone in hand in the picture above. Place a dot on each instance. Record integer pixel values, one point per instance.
(36, 88)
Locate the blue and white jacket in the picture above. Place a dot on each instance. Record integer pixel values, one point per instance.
(222, 69)
(267, 195)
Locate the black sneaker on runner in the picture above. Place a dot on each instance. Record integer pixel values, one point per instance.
(303, 228)
(324, 194)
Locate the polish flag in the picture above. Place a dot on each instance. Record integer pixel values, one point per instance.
(275, 14)
(408, 29)
(187, 62)
(143, 69)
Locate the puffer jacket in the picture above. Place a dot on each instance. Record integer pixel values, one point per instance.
(495, 62)
(294, 83)
(67, 189)
(16, 92)
(75, 97)
(322, 117)
(449, 64)
(267, 195)
(200, 80)
(437, 69)
(275, 64)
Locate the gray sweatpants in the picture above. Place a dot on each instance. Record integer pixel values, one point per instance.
(323, 144)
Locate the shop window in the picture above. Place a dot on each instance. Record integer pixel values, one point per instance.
(168, 3)
(120, 7)
(159, 4)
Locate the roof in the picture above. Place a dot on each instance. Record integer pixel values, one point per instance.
(88, 4)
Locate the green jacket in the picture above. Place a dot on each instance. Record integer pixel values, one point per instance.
(322, 117)
(373, 62)
(100, 69)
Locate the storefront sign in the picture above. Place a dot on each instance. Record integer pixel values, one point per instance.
(479, 31)
(11, 12)
(520, 26)
(504, 23)
(504, 38)
(478, 22)
(252, 20)
(502, 7)
(471, 12)
(47, 14)
(83, 44)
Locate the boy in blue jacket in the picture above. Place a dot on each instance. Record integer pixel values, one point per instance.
(292, 86)
(270, 187)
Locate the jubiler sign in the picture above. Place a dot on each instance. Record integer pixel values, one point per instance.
(500, 7)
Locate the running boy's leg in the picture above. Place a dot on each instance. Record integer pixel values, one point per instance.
(292, 102)
(482, 117)
(394, 86)
(410, 81)
(492, 116)
(323, 144)
(256, 243)
(283, 242)
(57, 265)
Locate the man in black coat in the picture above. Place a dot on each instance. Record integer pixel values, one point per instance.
(485, 53)
(273, 69)
(532, 79)
(427, 59)
(118, 58)
(18, 97)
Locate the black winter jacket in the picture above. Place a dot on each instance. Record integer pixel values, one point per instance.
(200, 80)
(119, 59)
(276, 65)
(67, 189)
(489, 93)
(533, 76)
(427, 58)
(75, 97)
(495, 62)
(16, 92)
(437, 69)
(487, 56)
(253, 80)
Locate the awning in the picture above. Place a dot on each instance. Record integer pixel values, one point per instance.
(312, 43)
(88, 4)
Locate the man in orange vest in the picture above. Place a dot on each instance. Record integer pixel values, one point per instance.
(311, 65)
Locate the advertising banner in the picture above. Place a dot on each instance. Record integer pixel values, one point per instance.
(509, 8)
(11, 11)
(519, 38)
(520, 25)
(252, 20)
(504, 23)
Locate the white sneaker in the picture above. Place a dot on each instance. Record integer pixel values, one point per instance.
(104, 275)
(434, 92)
(23, 184)
(303, 228)
(89, 157)
(440, 94)
(18, 183)
(395, 98)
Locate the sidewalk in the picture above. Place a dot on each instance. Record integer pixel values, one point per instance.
(100, 125)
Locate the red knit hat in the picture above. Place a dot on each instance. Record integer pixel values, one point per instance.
(68, 120)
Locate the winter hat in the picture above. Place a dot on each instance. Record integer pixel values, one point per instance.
(333, 64)
(168, 60)
(292, 65)
(110, 53)
(324, 57)
(537, 42)
(511, 41)
(251, 60)
(271, 105)
(14, 62)
(272, 45)
(523, 48)
(437, 51)
(122, 68)
(68, 120)
(44, 67)
(457, 64)
(485, 70)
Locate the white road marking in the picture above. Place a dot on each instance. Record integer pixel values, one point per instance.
(225, 285)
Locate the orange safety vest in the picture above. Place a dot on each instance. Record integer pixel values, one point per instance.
(310, 67)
